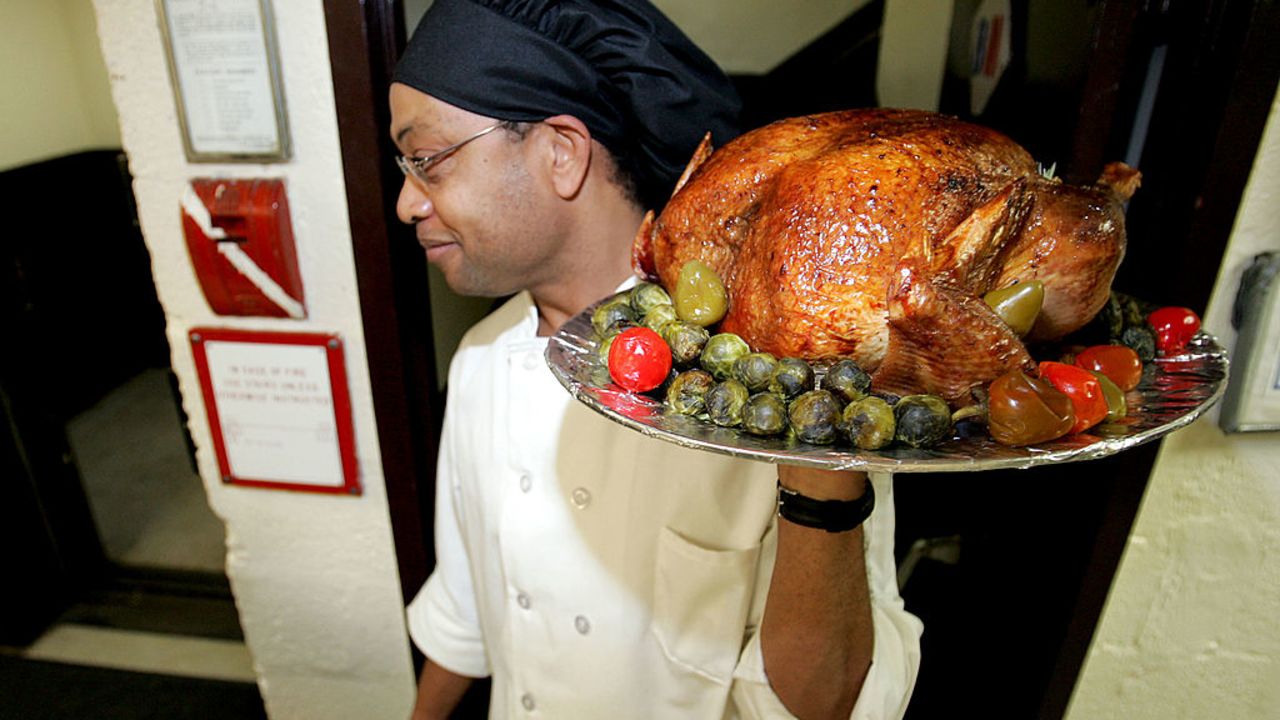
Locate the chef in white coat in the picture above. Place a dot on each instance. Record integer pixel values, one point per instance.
(591, 571)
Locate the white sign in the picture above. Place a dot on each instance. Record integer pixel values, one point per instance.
(223, 65)
(275, 406)
(990, 40)
(1252, 401)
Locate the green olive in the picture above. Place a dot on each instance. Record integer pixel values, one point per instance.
(1117, 407)
(699, 294)
(1018, 305)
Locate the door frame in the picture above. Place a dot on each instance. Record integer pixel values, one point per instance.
(365, 39)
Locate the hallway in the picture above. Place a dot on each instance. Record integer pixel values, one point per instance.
(159, 637)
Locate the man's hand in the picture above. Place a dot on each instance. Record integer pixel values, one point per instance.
(816, 635)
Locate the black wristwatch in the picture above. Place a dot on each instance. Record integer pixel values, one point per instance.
(830, 515)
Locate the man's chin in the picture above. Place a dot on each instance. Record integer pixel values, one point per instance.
(475, 287)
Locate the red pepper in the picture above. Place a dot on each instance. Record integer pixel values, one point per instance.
(1119, 363)
(1082, 387)
(639, 359)
(1174, 328)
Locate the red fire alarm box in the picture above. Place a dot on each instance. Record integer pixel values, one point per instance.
(241, 244)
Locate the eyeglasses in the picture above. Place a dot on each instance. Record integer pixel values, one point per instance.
(417, 167)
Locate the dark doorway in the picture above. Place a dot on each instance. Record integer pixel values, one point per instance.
(98, 475)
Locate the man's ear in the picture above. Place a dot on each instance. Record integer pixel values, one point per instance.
(570, 154)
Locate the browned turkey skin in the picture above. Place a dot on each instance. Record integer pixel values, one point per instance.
(873, 234)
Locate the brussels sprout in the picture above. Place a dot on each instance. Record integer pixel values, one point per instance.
(725, 402)
(645, 296)
(922, 420)
(1131, 310)
(755, 370)
(869, 423)
(1018, 305)
(606, 342)
(699, 295)
(614, 313)
(687, 393)
(1111, 316)
(721, 352)
(814, 416)
(658, 317)
(847, 381)
(792, 377)
(686, 341)
(888, 397)
(764, 414)
(1141, 340)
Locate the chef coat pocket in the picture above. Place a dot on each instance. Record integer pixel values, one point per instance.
(701, 601)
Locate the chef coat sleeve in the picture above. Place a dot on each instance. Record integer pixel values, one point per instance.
(443, 617)
(895, 660)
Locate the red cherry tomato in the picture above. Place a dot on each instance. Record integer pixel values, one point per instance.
(1119, 363)
(1082, 387)
(639, 359)
(1174, 328)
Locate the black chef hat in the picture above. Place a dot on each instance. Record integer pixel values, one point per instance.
(620, 66)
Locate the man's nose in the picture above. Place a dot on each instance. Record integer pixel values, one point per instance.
(413, 205)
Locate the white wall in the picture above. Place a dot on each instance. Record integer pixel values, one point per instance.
(753, 36)
(314, 576)
(1191, 628)
(53, 89)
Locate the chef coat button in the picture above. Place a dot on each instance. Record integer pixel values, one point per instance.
(527, 701)
(526, 482)
(581, 498)
(530, 361)
(523, 601)
(582, 625)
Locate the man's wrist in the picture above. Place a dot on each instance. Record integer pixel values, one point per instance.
(832, 515)
(823, 484)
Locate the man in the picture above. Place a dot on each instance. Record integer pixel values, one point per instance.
(594, 572)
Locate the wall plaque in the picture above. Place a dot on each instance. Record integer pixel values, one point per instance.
(278, 408)
(226, 79)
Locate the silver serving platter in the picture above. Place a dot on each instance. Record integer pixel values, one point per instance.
(1172, 394)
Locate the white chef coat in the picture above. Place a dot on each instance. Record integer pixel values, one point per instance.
(598, 573)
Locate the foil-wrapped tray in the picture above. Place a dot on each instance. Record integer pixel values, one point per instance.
(1172, 394)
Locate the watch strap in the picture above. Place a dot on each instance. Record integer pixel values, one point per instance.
(829, 515)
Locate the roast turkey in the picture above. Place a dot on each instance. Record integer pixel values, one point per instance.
(874, 234)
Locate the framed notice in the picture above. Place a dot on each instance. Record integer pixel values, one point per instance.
(1252, 401)
(278, 408)
(226, 79)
